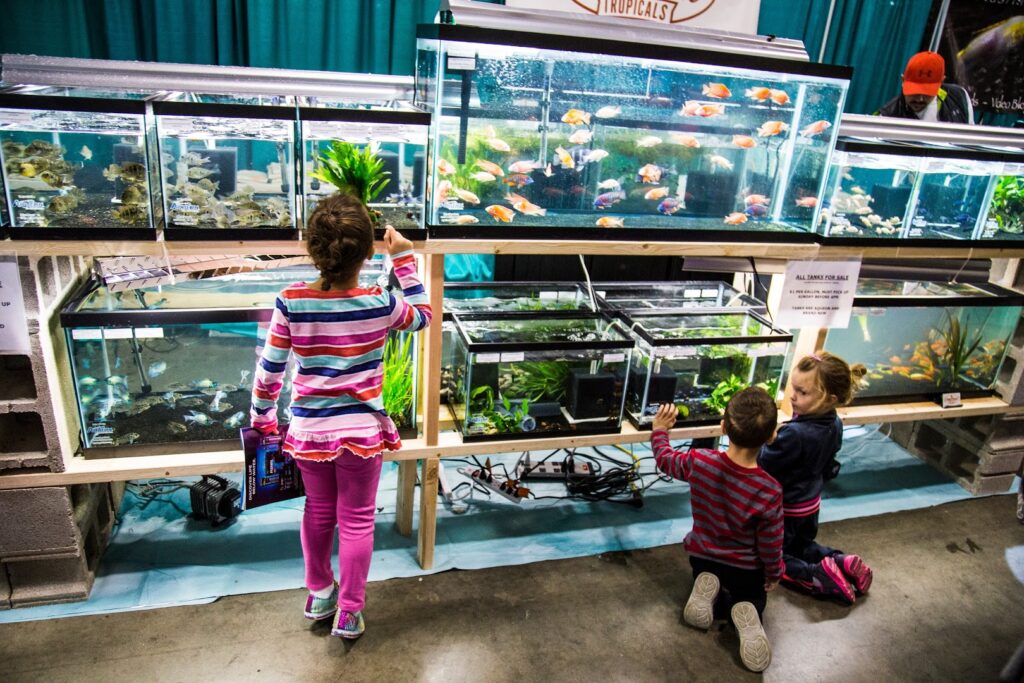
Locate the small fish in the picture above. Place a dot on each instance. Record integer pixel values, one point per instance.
(132, 195)
(648, 141)
(500, 213)
(669, 205)
(498, 145)
(895, 360)
(55, 180)
(85, 152)
(757, 210)
(127, 439)
(195, 417)
(779, 97)
(176, 428)
(156, 369)
(736, 218)
(684, 140)
(815, 128)
(690, 108)
(117, 380)
(482, 177)
(650, 174)
(466, 196)
(518, 180)
(581, 137)
(603, 201)
(610, 222)
(576, 117)
(756, 199)
(656, 193)
(770, 128)
(807, 202)
(596, 155)
(758, 94)
(88, 381)
(489, 167)
(523, 167)
(459, 219)
(445, 167)
(198, 172)
(565, 158)
(61, 204)
(203, 383)
(610, 184)
(528, 209)
(708, 111)
(548, 170)
(27, 169)
(130, 213)
(444, 188)
(744, 141)
(235, 420)
(716, 90)
(609, 112)
(194, 159)
(857, 189)
(718, 161)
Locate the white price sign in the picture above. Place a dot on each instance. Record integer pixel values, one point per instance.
(818, 294)
(13, 324)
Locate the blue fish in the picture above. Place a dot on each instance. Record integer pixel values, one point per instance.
(518, 180)
(669, 205)
(603, 201)
(963, 218)
(757, 210)
(156, 369)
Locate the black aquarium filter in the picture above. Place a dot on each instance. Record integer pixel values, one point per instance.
(889, 201)
(215, 499)
(591, 395)
(662, 387)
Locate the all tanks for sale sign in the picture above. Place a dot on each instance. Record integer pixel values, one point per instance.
(739, 16)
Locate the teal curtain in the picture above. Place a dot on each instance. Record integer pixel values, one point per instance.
(363, 36)
(875, 37)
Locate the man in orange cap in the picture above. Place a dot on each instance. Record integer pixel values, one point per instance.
(926, 97)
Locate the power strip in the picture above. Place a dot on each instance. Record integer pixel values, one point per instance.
(508, 490)
(552, 470)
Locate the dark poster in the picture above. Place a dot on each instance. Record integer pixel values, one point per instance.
(982, 42)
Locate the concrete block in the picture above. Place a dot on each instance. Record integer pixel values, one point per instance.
(901, 432)
(5, 588)
(29, 291)
(65, 270)
(38, 523)
(1010, 381)
(46, 271)
(39, 582)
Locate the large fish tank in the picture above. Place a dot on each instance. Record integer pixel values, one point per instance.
(396, 134)
(173, 364)
(697, 360)
(686, 294)
(227, 166)
(77, 164)
(1005, 220)
(616, 139)
(920, 339)
(546, 374)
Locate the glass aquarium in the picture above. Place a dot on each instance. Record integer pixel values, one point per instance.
(339, 144)
(697, 360)
(546, 374)
(173, 364)
(920, 339)
(77, 164)
(686, 294)
(227, 166)
(620, 140)
(1005, 219)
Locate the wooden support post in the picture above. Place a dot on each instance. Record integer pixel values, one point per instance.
(428, 512)
(406, 496)
(431, 413)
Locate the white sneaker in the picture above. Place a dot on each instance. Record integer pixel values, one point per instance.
(700, 608)
(755, 652)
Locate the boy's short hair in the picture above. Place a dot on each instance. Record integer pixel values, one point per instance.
(751, 417)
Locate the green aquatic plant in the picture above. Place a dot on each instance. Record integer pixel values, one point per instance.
(358, 172)
(723, 392)
(540, 380)
(952, 347)
(396, 388)
(512, 419)
(1007, 206)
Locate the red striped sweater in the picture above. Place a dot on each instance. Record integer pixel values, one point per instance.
(737, 511)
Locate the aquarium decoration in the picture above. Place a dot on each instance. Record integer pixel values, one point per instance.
(1007, 208)
(397, 386)
(357, 172)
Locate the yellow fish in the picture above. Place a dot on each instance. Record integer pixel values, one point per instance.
(716, 90)
(609, 222)
(649, 173)
(500, 213)
(656, 193)
(565, 157)
(576, 117)
(736, 218)
(770, 128)
(684, 140)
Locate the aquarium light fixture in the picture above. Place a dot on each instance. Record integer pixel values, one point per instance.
(921, 132)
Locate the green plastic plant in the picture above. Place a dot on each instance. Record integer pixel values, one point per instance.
(722, 393)
(1007, 206)
(396, 390)
(509, 420)
(540, 380)
(957, 345)
(358, 172)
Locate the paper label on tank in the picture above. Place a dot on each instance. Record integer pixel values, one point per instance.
(149, 333)
(513, 357)
(488, 358)
(456, 63)
(951, 400)
(125, 333)
(614, 357)
(692, 294)
(29, 204)
(87, 334)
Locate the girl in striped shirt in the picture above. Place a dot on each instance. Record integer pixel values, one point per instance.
(339, 430)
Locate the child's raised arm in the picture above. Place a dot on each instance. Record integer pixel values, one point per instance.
(270, 370)
(676, 464)
(412, 311)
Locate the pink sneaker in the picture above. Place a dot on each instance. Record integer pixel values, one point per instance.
(830, 581)
(858, 572)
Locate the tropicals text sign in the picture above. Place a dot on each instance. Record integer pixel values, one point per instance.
(728, 15)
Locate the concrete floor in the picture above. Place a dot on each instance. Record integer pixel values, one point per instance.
(944, 607)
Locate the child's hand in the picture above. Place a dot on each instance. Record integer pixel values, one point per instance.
(394, 242)
(665, 418)
(769, 586)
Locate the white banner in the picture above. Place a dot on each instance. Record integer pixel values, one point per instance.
(13, 324)
(818, 294)
(737, 16)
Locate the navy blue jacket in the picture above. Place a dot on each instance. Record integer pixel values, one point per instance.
(801, 454)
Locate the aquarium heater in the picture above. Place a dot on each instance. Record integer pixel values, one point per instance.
(215, 498)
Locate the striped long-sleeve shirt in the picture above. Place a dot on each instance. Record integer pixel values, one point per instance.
(737, 511)
(338, 340)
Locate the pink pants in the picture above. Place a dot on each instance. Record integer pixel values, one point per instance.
(340, 493)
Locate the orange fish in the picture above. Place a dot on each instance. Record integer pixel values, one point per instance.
(490, 167)
(500, 213)
(523, 167)
(769, 128)
(512, 198)
(709, 110)
(756, 199)
(894, 359)
(716, 90)
(609, 222)
(649, 173)
(498, 145)
(736, 218)
(565, 158)
(815, 128)
(690, 108)
(444, 167)
(807, 202)
(444, 188)
(759, 94)
(656, 193)
(576, 117)
(684, 140)
(528, 209)
(744, 141)
(779, 97)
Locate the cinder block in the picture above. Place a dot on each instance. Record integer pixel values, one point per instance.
(38, 523)
(39, 582)
(5, 588)
(901, 432)
(1010, 381)
(65, 270)
(952, 459)
(47, 273)
(29, 291)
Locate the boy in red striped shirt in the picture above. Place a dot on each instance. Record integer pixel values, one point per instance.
(735, 545)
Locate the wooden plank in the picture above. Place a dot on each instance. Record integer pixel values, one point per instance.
(162, 248)
(406, 496)
(427, 536)
(432, 349)
(621, 248)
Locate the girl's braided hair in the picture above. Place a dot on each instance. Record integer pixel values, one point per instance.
(339, 237)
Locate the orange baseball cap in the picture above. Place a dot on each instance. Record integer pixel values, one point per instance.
(924, 74)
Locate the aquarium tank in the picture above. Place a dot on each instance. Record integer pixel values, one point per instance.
(377, 153)
(1005, 220)
(227, 166)
(615, 139)
(685, 294)
(920, 339)
(173, 364)
(697, 360)
(545, 374)
(77, 164)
